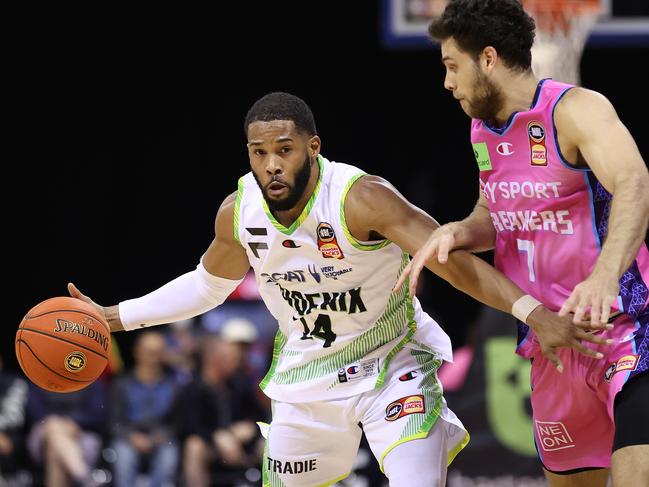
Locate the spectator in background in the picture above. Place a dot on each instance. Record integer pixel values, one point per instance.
(142, 408)
(13, 398)
(218, 412)
(66, 432)
(182, 344)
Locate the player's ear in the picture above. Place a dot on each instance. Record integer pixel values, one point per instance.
(314, 146)
(488, 58)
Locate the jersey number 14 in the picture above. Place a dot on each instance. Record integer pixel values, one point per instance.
(321, 329)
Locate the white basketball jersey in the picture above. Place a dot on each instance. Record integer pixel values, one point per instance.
(340, 324)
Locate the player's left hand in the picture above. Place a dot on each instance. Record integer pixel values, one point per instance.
(596, 294)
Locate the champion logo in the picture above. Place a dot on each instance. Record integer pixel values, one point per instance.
(290, 244)
(505, 149)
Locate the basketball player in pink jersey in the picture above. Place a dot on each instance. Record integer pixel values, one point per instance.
(564, 201)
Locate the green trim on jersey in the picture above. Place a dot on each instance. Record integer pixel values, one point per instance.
(269, 478)
(278, 345)
(419, 425)
(327, 484)
(237, 205)
(402, 294)
(305, 212)
(398, 312)
(356, 243)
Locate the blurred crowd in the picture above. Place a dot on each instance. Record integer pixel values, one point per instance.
(184, 413)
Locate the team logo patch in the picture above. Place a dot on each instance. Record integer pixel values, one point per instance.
(75, 361)
(539, 153)
(405, 406)
(628, 362)
(290, 244)
(408, 376)
(327, 243)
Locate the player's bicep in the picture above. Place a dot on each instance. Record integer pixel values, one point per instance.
(374, 205)
(225, 257)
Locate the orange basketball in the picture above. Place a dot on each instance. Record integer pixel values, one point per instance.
(62, 344)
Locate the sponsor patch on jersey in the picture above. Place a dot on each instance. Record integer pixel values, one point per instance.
(538, 150)
(553, 435)
(408, 376)
(359, 370)
(481, 152)
(505, 149)
(628, 362)
(405, 406)
(290, 244)
(327, 243)
(332, 273)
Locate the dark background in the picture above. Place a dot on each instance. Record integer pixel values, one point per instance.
(123, 131)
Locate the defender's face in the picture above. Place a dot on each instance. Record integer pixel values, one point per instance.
(478, 95)
(461, 73)
(280, 160)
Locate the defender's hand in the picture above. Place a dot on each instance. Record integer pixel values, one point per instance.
(440, 243)
(595, 294)
(554, 331)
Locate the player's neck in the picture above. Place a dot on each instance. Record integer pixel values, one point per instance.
(520, 91)
(287, 217)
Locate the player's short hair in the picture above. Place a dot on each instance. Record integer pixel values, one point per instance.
(476, 24)
(282, 106)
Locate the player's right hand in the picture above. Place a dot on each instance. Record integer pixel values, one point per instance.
(75, 293)
(554, 331)
(440, 243)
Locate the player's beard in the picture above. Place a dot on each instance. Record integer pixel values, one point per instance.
(487, 100)
(295, 192)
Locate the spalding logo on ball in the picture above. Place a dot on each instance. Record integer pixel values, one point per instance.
(63, 344)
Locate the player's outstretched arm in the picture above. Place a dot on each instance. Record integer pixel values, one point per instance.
(475, 233)
(221, 269)
(588, 125)
(374, 207)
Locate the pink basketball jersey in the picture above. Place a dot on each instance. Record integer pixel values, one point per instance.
(551, 218)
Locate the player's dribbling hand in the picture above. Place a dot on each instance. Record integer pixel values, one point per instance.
(595, 294)
(110, 314)
(440, 243)
(75, 293)
(553, 331)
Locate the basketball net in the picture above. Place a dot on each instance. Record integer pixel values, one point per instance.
(562, 29)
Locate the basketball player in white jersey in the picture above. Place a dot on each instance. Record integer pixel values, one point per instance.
(327, 243)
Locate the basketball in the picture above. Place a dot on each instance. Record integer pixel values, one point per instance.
(62, 344)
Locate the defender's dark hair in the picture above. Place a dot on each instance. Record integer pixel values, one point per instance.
(476, 24)
(282, 106)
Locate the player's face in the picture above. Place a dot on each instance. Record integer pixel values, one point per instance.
(282, 160)
(478, 95)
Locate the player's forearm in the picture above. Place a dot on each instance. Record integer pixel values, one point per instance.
(478, 279)
(627, 228)
(476, 232)
(187, 296)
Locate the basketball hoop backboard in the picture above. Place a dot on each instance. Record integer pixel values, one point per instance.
(622, 23)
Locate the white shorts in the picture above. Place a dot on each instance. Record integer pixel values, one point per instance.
(315, 443)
